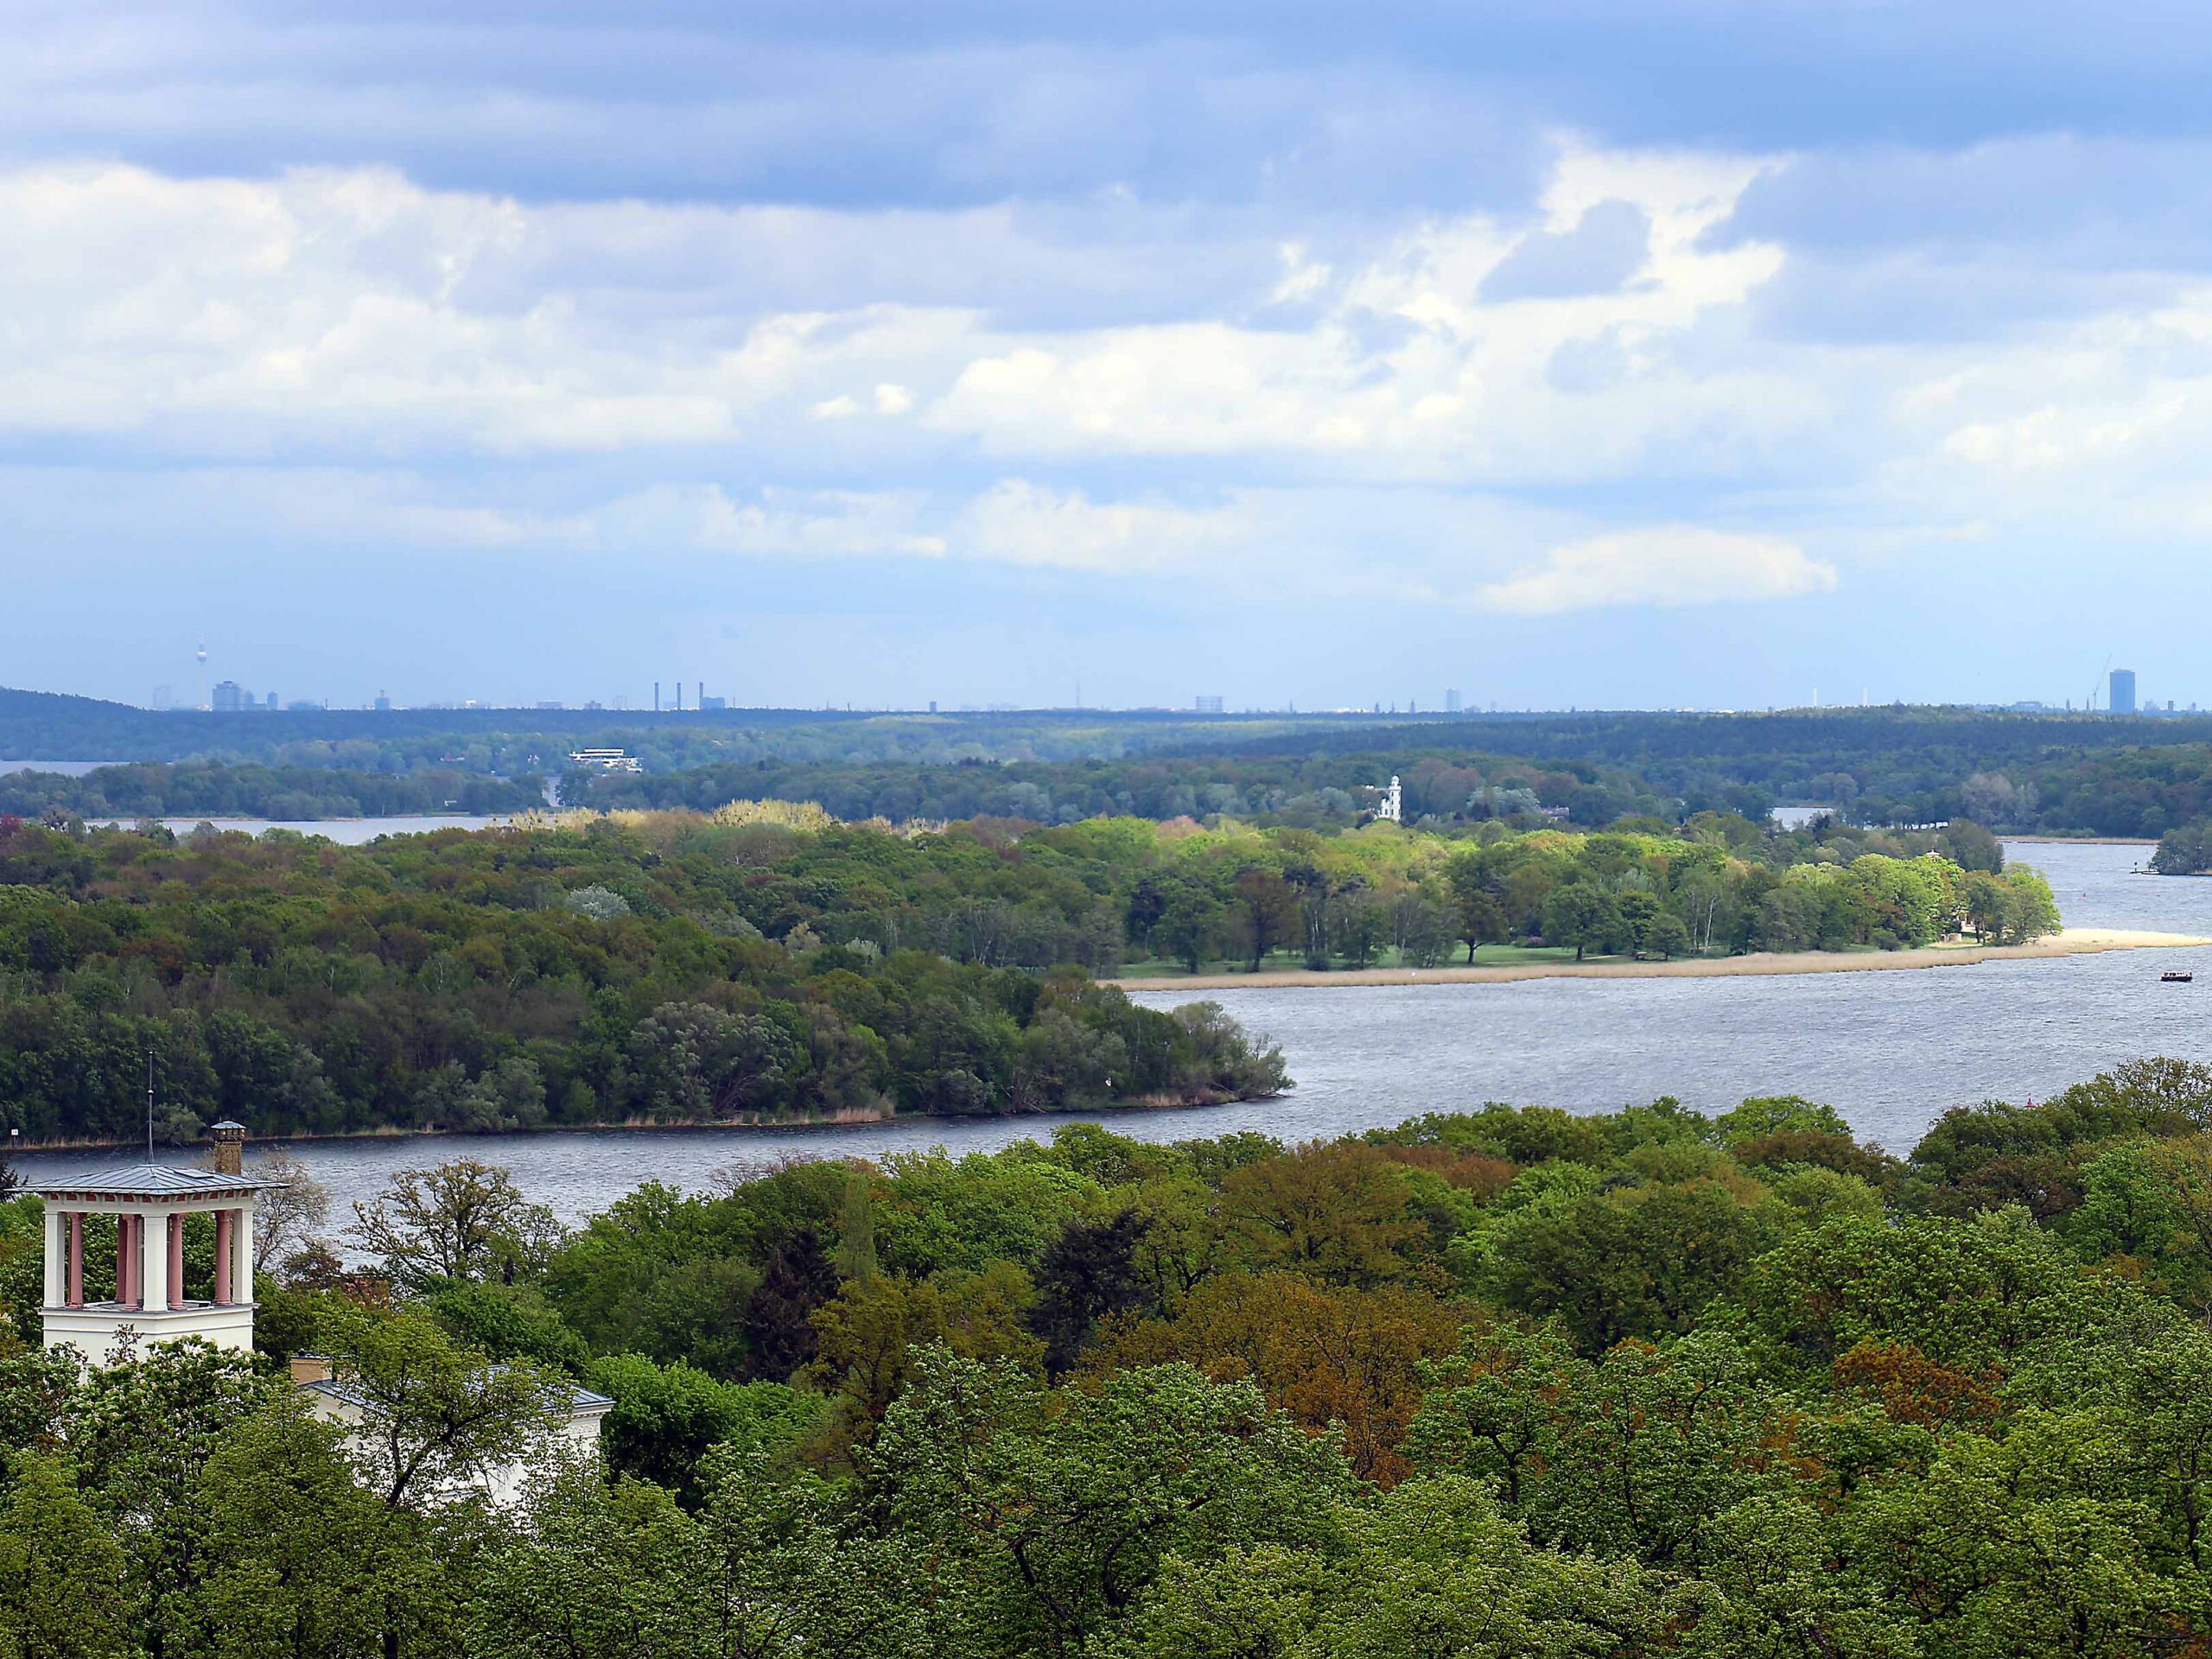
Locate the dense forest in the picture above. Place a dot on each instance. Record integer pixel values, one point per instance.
(767, 962)
(1885, 766)
(512, 980)
(1509, 1382)
(2050, 773)
(1898, 765)
(2136, 792)
(1301, 791)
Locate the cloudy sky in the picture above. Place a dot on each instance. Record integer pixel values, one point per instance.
(1674, 354)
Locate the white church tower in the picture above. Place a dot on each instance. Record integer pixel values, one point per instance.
(148, 1204)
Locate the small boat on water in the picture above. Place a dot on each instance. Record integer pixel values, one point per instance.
(2173, 977)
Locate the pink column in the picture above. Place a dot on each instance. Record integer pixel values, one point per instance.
(123, 1259)
(74, 1295)
(176, 1260)
(132, 1241)
(225, 1225)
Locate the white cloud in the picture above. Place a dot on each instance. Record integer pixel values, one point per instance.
(1020, 523)
(1665, 565)
(353, 320)
(775, 523)
(1303, 278)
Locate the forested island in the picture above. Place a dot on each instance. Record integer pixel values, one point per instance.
(769, 964)
(1509, 1382)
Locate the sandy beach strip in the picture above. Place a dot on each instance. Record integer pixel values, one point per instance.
(2073, 942)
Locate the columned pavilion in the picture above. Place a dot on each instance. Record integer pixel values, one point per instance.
(147, 1303)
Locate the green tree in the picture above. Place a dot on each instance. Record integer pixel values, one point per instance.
(1191, 920)
(1667, 936)
(2186, 849)
(64, 1580)
(431, 1418)
(1049, 1516)
(461, 1220)
(1429, 1569)
(1582, 916)
(292, 1555)
(613, 1575)
(1267, 912)
(1622, 1262)
(667, 1418)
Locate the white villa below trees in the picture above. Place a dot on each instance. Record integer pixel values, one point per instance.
(145, 1205)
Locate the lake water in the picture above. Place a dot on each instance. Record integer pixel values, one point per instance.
(1890, 1050)
(67, 768)
(346, 832)
(1796, 817)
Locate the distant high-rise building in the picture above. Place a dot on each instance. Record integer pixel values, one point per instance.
(383, 703)
(269, 703)
(228, 697)
(712, 705)
(1207, 705)
(2122, 700)
(1451, 702)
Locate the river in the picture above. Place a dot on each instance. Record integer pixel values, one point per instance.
(1890, 1050)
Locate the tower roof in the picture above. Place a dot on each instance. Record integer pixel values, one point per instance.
(150, 1181)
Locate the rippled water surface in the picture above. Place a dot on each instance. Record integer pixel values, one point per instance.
(1890, 1050)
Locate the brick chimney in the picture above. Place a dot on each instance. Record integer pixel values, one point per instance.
(230, 1147)
(309, 1368)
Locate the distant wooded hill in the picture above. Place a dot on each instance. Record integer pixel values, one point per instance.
(2054, 774)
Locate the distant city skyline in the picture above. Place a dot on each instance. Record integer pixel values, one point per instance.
(2116, 695)
(975, 353)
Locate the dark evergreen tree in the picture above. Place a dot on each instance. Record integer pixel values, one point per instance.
(799, 1277)
(1087, 1273)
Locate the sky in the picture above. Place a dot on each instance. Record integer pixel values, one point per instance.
(1680, 354)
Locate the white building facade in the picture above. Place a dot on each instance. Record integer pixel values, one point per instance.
(148, 1300)
(147, 1204)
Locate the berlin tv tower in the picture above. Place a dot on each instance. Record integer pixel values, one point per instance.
(202, 654)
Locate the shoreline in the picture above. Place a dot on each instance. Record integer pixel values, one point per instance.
(2070, 941)
(1118, 1106)
(2082, 840)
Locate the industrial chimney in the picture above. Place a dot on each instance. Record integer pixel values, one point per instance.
(230, 1147)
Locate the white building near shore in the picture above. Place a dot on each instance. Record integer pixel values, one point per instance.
(147, 1204)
